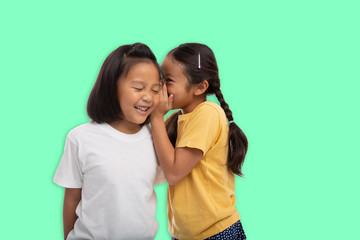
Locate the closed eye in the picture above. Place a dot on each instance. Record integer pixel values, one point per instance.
(138, 89)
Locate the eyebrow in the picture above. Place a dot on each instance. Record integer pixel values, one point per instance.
(169, 75)
(137, 81)
(164, 72)
(142, 83)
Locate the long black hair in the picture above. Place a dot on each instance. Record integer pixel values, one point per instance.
(187, 54)
(103, 104)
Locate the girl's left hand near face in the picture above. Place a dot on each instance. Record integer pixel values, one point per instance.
(165, 103)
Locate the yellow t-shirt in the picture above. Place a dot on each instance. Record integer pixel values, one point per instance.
(203, 204)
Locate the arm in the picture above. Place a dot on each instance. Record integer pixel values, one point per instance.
(176, 163)
(71, 200)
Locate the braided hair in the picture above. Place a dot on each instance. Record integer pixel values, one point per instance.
(187, 54)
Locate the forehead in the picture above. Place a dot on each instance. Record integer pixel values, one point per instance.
(171, 66)
(143, 72)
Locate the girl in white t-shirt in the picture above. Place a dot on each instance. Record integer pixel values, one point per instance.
(109, 166)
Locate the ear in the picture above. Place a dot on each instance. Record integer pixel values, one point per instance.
(200, 88)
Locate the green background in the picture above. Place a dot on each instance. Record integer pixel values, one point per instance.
(289, 71)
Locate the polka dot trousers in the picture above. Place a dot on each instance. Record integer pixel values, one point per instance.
(234, 232)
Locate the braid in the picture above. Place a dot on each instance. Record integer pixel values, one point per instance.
(223, 104)
(237, 140)
(171, 127)
(188, 54)
(215, 88)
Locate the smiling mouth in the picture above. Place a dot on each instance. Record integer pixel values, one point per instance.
(142, 109)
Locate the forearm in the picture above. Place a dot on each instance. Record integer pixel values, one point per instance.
(164, 149)
(71, 201)
(69, 217)
(176, 163)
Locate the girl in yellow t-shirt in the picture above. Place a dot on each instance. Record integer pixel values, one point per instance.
(200, 148)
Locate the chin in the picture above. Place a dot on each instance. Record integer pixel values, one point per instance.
(144, 121)
(174, 106)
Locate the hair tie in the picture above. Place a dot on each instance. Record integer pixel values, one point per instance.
(199, 64)
(231, 122)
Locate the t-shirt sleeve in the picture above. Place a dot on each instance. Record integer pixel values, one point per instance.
(201, 130)
(68, 173)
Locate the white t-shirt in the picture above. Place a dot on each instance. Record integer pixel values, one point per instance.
(117, 173)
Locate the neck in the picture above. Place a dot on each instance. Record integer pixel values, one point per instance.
(125, 127)
(196, 101)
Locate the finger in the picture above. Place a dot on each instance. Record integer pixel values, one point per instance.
(163, 91)
(170, 101)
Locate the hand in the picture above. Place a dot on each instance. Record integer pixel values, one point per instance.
(165, 103)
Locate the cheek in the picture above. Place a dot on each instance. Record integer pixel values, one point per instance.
(170, 89)
(124, 99)
(156, 99)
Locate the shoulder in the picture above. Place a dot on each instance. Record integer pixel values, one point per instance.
(210, 110)
(174, 112)
(206, 115)
(84, 129)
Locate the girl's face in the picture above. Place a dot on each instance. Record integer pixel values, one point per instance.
(177, 84)
(138, 96)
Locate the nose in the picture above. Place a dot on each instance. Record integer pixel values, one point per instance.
(147, 97)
